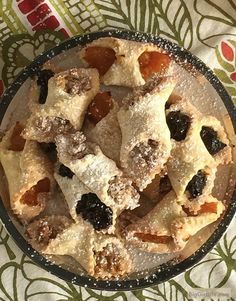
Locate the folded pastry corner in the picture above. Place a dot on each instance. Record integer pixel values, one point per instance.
(146, 144)
(84, 204)
(100, 255)
(124, 63)
(170, 224)
(201, 204)
(71, 187)
(107, 134)
(111, 257)
(75, 242)
(184, 227)
(29, 175)
(199, 146)
(152, 233)
(41, 232)
(68, 97)
(99, 173)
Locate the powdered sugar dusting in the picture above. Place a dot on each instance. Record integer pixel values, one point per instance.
(199, 92)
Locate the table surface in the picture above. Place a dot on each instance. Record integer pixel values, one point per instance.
(205, 27)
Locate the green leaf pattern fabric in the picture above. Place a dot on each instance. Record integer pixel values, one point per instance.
(205, 27)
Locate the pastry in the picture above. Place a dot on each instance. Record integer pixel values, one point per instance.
(28, 172)
(124, 63)
(99, 173)
(69, 94)
(107, 134)
(146, 144)
(101, 256)
(191, 167)
(111, 163)
(169, 225)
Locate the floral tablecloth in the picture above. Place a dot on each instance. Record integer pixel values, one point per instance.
(205, 27)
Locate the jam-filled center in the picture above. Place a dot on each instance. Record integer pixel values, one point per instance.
(153, 62)
(30, 197)
(178, 124)
(99, 107)
(94, 211)
(205, 208)
(100, 58)
(211, 141)
(158, 239)
(17, 142)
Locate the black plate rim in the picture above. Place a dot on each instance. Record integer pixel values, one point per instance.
(164, 272)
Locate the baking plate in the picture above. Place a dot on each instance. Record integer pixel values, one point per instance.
(185, 260)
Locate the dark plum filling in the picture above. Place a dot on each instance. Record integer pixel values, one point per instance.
(178, 124)
(197, 184)
(211, 141)
(96, 212)
(42, 81)
(64, 171)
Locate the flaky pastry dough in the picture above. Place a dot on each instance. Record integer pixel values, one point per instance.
(125, 71)
(99, 173)
(73, 190)
(146, 142)
(100, 255)
(189, 155)
(41, 231)
(69, 94)
(107, 134)
(24, 171)
(168, 227)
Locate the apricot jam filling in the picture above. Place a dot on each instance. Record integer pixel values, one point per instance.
(153, 62)
(99, 107)
(30, 197)
(100, 58)
(17, 142)
(205, 208)
(162, 239)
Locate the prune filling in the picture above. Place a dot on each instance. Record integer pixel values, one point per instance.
(211, 141)
(42, 81)
(197, 184)
(64, 171)
(178, 124)
(167, 105)
(94, 211)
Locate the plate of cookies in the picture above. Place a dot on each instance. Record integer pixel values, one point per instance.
(117, 160)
